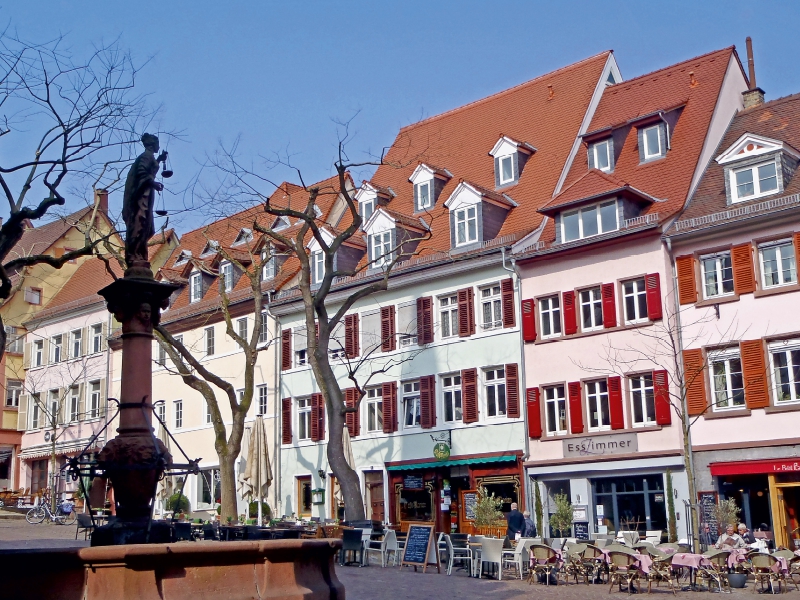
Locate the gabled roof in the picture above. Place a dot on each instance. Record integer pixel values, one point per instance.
(593, 185)
(37, 240)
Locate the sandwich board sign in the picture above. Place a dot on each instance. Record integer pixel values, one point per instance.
(420, 549)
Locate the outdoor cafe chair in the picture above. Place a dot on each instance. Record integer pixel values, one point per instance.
(352, 542)
(544, 561)
(491, 553)
(661, 570)
(766, 570)
(573, 563)
(383, 547)
(594, 562)
(623, 567)
(716, 570)
(630, 537)
(519, 556)
(209, 532)
(85, 525)
(183, 532)
(457, 554)
(654, 536)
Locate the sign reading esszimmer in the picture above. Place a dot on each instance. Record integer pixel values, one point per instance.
(601, 445)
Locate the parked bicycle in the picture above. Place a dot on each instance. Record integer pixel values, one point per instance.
(64, 515)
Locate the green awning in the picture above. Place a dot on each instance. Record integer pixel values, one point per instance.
(454, 463)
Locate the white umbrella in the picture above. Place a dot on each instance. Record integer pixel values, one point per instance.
(258, 473)
(347, 450)
(166, 485)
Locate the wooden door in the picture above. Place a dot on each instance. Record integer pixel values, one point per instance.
(374, 482)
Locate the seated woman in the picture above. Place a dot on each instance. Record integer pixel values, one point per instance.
(729, 540)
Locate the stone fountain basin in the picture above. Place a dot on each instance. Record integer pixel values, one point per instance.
(290, 569)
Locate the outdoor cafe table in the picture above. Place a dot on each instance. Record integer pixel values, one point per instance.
(687, 559)
(644, 560)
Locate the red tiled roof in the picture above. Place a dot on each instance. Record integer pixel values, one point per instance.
(81, 289)
(38, 239)
(590, 185)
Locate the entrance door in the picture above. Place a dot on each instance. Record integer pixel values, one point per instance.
(375, 496)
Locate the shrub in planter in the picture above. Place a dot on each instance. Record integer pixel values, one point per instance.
(252, 510)
(178, 503)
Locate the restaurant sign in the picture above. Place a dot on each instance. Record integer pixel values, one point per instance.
(600, 445)
(753, 467)
(441, 451)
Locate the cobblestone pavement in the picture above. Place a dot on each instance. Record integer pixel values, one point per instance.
(18, 533)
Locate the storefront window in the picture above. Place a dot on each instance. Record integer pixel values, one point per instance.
(209, 492)
(304, 496)
(632, 503)
(416, 505)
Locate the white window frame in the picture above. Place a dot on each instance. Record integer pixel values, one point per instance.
(785, 347)
(635, 290)
(241, 328)
(594, 149)
(555, 401)
(494, 378)
(75, 343)
(303, 410)
(14, 389)
(647, 150)
(318, 266)
(594, 392)
(209, 341)
(33, 295)
(177, 413)
(374, 409)
(725, 356)
(15, 344)
(160, 409)
(362, 209)
(462, 217)
(57, 348)
(494, 301)
(226, 276)
(382, 254)
(208, 413)
(74, 403)
(195, 287)
(263, 400)
(642, 393)
(757, 192)
(427, 185)
(36, 411)
(54, 402)
(500, 161)
(95, 394)
(717, 257)
(38, 353)
(410, 394)
(452, 401)
(595, 300)
(301, 357)
(781, 247)
(263, 334)
(448, 316)
(581, 211)
(215, 480)
(550, 316)
(97, 338)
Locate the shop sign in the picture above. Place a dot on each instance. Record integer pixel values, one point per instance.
(601, 445)
(412, 482)
(752, 467)
(441, 451)
(580, 512)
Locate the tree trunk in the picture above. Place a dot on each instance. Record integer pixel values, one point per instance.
(227, 483)
(689, 466)
(345, 475)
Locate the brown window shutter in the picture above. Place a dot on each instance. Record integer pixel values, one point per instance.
(687, 282)
(424, 320)
(652, 286)
(351, 418)
(575, 402)
(427, 401)
(694, 364)
(615, 406)
(388, 340)
(529, 320)
(661, 397)
(286, 421)
(744, 277)
(512, 391)
(351, 344)
(570, 314)
(317, 418)
(389, 394)
(469, 394)
(286, 349)
(754, 373)
(534, 413)
(609, 305)
(507, 299)
(796, 239)
(466, 312)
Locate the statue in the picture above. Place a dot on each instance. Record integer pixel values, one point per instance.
(138, 202)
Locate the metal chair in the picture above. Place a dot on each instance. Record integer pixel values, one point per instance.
(623, 567)
(661, 570)
(209, 532)
(544, 561)
(716, 571)
(183, 532)
(85, 525)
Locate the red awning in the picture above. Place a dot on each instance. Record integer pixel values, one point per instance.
(752, 467)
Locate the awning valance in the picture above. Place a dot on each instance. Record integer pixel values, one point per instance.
(478, 460)
(42, 450)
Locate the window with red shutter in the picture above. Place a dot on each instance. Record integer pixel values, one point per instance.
(534, 413)
(507, 299)
(424, 320)
(744, 277)
(427, 401)
(575, 407)
(469, 395)
(529, 320)
(796, 240)
(570, 314)
(687, 282)
(389, 395)
(615, 407)
(754, 373)
(352, 418)
(317, 418)
(351, 336)
(512, 391)
(609, 306)
(652, 285)
(286, 349)
(694, 381)
(286, 421)
(661, 398)
(466, 312)
(388, 338)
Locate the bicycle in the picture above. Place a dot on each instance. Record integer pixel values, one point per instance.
(64, 515)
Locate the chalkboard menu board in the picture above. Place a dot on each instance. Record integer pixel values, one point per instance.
(419, 548)
(412, 482)
(706, 501)
(469, 500)
(580, 530)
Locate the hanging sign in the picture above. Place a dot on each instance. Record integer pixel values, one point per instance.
(441, 451)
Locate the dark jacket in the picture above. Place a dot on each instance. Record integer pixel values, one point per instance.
(748, 537)
(516, 523)
(530, 529)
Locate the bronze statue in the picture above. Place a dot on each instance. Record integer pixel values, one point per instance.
(138, 202)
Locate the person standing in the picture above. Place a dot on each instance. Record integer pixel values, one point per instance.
(530, 527)
(516, 522)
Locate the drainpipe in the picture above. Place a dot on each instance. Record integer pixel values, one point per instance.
(518, 308)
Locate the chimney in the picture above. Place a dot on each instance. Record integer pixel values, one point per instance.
(755, 95)
(101, 199)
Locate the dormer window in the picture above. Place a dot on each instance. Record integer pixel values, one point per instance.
(366, 208)
(268, 264)
(600, 155)
(423, 195)
(652, 142)
(476, 214)
(589, 221)
(317, 267)
(466, 225)
(510, 157)
(226, 276)
(381, 245)
(183, 257)
(506, 169)
(428, 183)
(754, 181)
(245, 235)
(210, 248)
(281, 223)
(195, 287)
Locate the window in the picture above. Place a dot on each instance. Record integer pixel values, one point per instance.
(240, 395)
(717, 274)
(597, 401)
(94, 400)
(245, 235)
(183, 257)
(317, 267)
(35, 411)
(591, 309)
(226, 276)
(208, 413)
(15, 342)
(263, 333)
(74, 403)
(778, 264)
(423, 195)
(550, 316)
(589, 221)
(448, 315)
(411, 404)
(506, 169)
(304, 418)
(209, 488)
(466, 225)
(727, 384)
(195, 287)
(754, 181)
(785, 359)
(374, 409)
(451, 394)
(304, 496)
(491, 308)
(382, 249)
(178, 406)
(57, 352)
(301, 357)
(262, 400)
(651, 138)
(76, 341)
(366, 208)
(634, 296)
(209, 334)
(555, 410)
(642, 399)
(269, 265)
(159, 409)
(97, 338)
(162, 356)
(33, 295)
(13, 392)
(53, 407)
(601, 155)
(495, 392)
(241, 328)
(38, 353)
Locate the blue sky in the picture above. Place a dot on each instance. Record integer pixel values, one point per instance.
(279, 73)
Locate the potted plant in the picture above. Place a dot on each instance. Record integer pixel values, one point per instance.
(561, 518)
(726, 513)
(229, 519)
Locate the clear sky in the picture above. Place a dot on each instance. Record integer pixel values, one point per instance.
(280, 73)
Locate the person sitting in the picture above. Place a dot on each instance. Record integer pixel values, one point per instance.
(529, 530)
(707, 537)
(729, 540)
(746, 534)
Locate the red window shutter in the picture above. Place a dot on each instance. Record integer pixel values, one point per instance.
(534, 413)
(796, 239)
(575, 407)
(615, 407)
(424, 320)
(744, 276)
(512, 391)
(687, 282)
(389, 394)
(351, 418)
(652, 286)
(694, 381)
(286, 349)
(466, 312)
(427, 401)
(529, 320)
(661, 397)
(570, 316)
(469, 394)
(609, 305)
(388, 339)
(507, 300)
(317, 418)
(754, 372)
(286, 421)
(351, 343)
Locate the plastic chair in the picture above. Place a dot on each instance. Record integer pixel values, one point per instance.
(630, 537)
(518, 557)
(209, 532)
(654, 536)
(351, 542)
(383, 548)
(85, 525)
(623, 567)
(183, 532)
(457, 554)
(491, 553)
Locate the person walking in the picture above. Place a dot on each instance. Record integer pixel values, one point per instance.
(516, 522)
(530, 527)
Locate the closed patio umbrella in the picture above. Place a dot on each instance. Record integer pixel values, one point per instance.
(347, 449)
(165, 486)
(258, 472)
